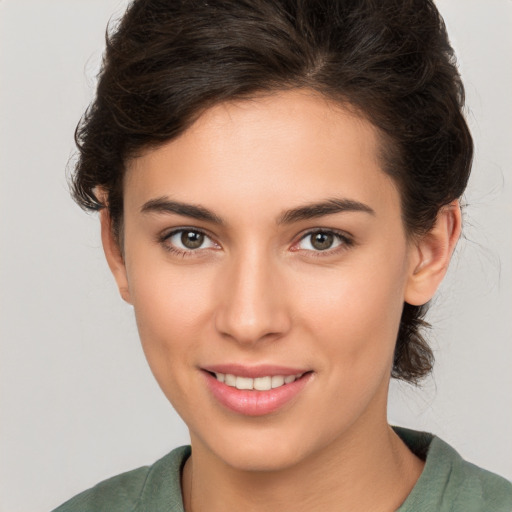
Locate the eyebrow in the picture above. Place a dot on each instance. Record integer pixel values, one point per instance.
(165, 205)
(329, 207)
(310, 211)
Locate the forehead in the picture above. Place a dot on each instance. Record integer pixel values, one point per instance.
(288, 147)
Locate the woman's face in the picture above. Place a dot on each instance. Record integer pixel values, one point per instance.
(264, 243)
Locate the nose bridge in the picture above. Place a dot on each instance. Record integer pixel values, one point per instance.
(252, 306)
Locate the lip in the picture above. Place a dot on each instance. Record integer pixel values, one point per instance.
(253, 372)
(253, 402)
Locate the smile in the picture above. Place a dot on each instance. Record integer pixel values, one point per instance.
(256, 391)
(259, 383)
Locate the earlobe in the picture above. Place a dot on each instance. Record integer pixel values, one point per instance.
(431, 255)
(114, 255)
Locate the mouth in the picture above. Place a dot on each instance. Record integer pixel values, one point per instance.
(256, 391)
(264, 383)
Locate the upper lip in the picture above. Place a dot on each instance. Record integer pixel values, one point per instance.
(253, 372)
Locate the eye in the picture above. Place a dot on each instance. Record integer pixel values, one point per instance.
(322, 241)
(186, 240)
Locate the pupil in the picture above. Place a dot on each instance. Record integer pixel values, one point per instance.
(322, 241)
(192, 239)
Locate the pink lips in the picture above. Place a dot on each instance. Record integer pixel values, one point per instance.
(253, 402)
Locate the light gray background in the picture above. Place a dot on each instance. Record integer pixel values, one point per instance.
(78, 403)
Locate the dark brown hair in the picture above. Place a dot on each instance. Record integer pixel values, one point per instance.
(167, 61)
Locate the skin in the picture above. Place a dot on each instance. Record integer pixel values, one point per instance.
(258, 292)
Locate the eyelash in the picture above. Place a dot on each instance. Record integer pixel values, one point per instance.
(164, 241)
(346, 241)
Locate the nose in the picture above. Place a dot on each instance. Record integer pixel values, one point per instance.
(251, 305)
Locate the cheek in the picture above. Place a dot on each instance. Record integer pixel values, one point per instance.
(169, 320)
(353, 323)
(169, 303)
(355, 313)
(172, 310)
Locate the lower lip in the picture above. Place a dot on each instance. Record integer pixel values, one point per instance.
(252, 402)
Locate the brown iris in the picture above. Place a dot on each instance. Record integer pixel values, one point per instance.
(322, 241)
(192, 239)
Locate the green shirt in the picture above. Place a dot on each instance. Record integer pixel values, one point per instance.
(447, 484)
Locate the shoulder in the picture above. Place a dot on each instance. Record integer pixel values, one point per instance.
(477, 489)
(451, 484)
(139, 489)
(120, 492)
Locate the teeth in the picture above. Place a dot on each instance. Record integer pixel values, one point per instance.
(263, 383)
(259, 383)
(230, 380)
(277, 380)
(244, 383)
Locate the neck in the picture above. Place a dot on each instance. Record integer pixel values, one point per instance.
(365, 469)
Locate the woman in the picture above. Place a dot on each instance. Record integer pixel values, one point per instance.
(278, 188)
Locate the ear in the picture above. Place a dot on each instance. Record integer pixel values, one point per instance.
(431, 255)
(114, 255)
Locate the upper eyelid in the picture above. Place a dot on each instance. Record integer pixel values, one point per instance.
(346, 239)
(167, 233)
(338, 232)
(164, 236)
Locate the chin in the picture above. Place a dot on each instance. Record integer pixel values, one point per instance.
(262, 449)
(254, 458)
